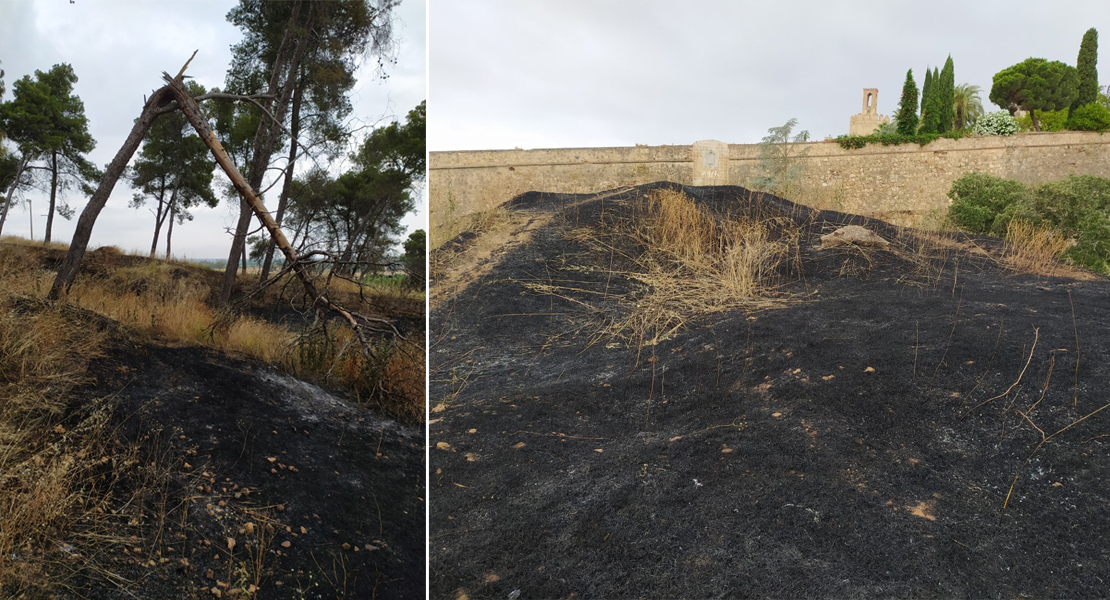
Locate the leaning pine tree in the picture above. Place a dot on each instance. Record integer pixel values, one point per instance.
(1086, 67)
(906, 117)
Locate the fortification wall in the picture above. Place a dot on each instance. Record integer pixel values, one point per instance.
(905, 184)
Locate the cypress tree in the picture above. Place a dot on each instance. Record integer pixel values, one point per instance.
(1087, 70)
(906, 117)
(930, 117)
(925, 89)
(945, 97)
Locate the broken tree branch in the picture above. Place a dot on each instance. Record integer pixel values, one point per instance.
(320, 300)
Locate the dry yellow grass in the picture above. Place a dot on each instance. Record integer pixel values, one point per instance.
(258, 339)
(691, 262)
(477, 222)
(697, 264)
(46, 455)
(53, 516)
(1034, 249)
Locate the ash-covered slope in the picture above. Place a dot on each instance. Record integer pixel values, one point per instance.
(856, 432)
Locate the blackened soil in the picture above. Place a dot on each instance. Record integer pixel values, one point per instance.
(859, 441)
(332, 493)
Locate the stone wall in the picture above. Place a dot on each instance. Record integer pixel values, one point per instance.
(904, 184)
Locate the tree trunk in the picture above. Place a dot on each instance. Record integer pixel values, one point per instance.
(53, 195)
(1033, 116)
(264, 144)
(283, 200)
(163, 212)
(169, 231)
(159, 218)
(68, 270)
(11, 191)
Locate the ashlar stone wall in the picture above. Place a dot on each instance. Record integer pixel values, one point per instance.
(904, 184)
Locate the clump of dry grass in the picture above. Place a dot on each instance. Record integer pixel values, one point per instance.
(695, 263)
(16, 240)
(1034, 249)
(692, 263)
(258, 339)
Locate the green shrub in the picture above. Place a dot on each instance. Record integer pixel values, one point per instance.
(984, 203)
(855, 142)
(1049, 120)
(1079, 208)
(1090, 117)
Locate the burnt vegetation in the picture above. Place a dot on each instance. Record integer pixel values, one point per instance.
(668, 391)
(157, 446)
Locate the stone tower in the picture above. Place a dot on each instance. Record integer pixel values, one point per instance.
(865, 122)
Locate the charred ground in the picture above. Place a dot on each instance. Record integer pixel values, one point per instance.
(857, 436)
(195, 472)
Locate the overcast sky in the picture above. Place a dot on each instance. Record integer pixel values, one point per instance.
(119, 48)
(580, 73)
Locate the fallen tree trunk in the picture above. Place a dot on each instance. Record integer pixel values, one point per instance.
(320, 301)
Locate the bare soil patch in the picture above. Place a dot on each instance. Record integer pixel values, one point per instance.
(861, 438)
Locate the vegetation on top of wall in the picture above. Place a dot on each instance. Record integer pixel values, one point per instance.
(1035, 84)
(855, 142)
(1090, 117)
(996, 123)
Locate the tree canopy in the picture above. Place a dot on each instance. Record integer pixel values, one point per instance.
(174, 169)
(357, 215)
(967, 105)
(47, 122)
(1035, 84)
(931, 104)
(416, 251)
(290, 45)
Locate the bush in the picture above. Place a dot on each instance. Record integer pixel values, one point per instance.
(1076, 209)
(1090, 117)
(984, 203)
(855, 142)
(1079, 208)
(996, 123)
(1049, 120)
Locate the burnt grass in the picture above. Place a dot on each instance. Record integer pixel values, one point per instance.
(856, 441)
(333, 492)
(238, 442)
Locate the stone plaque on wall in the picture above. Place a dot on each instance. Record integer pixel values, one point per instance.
(710, 162)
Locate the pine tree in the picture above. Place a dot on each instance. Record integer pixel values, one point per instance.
(1087, 70)
(906, 117)
(46, 120)
(945, 98)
